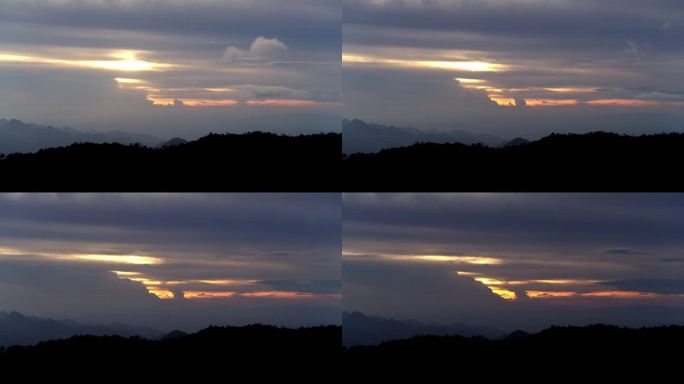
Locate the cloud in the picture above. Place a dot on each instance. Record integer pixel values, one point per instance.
(557, 259)
(262, 48)
(124, 256)
(663, 286)
(414, 291)
(178, 52)
(625, 251)
(615, 63)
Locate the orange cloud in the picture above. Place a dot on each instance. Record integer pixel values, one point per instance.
(209, 102)
(288, 103)
(625, 102)
(550, 102)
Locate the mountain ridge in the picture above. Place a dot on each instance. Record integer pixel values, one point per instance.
(19, 329)
(17, 136)
(364, 137)
(361, 329)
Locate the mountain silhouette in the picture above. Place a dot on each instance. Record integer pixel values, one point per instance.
(255, 350)
(596, 161)
(173, 142)
(19, 137)
(254, 161)
(18, 329)
(359, 329)
(362, 137)
(574, 352)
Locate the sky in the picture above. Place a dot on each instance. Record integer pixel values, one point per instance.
(172, 261)
(515, 261)
(172, 67)
(515, 67)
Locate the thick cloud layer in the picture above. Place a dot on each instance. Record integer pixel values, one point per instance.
(163, 67)
(538, 259)
(515, 68)
(172, 261)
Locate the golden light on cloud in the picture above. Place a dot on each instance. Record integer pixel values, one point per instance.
(159, 287)
(459, 259)
(279, 294)
(286, 103)
(207, 294)
(572, 90)
(477, 260)
(503, 101)
(227, 282)
(499, 286)
(496, 287)
(219, 90)
(604, 294)
(504, 293)
(470, 66)
(550, 102)
(620, 294)
(549, 294)
(470, 81)
(125, 61)
(120, 61)
(490, 281)
(565, 281)
(153, 287)
(624, 102)
(209, 102)
(291, 295)
(117, 259)
(161, 101)
(123, 80)
(449, 65)
(163, 294)
(10, 251)
(126, 273)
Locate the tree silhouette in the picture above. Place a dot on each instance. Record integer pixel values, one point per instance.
(596, 161)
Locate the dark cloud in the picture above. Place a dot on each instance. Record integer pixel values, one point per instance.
(54, 87)
(665, 286)
(113, 257)
(414, 291)
(598, 250)
(614, 50)
(625, 251)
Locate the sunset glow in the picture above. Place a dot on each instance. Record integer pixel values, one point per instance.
(119, 259)
(121, 61)
(449, 65)
(550, 102)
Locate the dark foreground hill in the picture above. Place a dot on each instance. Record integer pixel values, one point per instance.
(596, 161)
(256, 350)
(561, 352)
(254, 161)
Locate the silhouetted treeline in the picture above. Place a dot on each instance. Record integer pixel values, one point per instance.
(246, 162)
(556, 354)
(596, 161)
(256, 350)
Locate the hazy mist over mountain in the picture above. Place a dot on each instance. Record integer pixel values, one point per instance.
(19, 137)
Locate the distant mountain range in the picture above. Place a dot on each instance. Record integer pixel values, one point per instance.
(257, 351)
(18, 329)
(360, 329)
(362, 137)
(19, 137)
